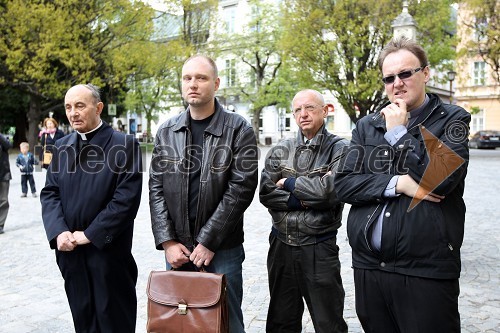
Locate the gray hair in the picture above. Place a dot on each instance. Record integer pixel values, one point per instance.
(95, 91)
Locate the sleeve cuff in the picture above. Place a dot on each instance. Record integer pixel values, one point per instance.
(289, 184)
(395, 134)
(390, 190)
(294, 203)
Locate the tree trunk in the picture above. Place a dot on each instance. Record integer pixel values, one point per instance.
(34, 113)
(20, 134)
(255, 123)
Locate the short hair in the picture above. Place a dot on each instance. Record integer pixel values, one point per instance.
(208, 59)
(56, 124)
(24, 144)
(403, 43)
(96, 93)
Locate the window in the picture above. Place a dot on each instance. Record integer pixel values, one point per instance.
(479, 73)
(252, 77)
(255, 20)
(230, 18)
(230, 72)
(480, 27)
(477, 122)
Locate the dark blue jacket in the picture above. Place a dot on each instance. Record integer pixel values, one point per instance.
(423, 241)
(26, 166)
(99, 195)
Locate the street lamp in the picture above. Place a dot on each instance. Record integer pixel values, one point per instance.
(451, 77)
(281, 120)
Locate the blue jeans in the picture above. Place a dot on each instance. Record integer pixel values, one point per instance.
(230, 263)
(25, 179)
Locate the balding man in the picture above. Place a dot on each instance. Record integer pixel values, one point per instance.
(297, 188)
(203, 177)
(89, 203)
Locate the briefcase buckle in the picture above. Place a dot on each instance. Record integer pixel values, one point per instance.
(182, 309)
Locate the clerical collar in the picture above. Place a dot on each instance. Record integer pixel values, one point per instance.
(90, 134)
(413, 114)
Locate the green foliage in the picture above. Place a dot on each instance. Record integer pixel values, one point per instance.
(47, 46)
(338, 43)
(268, 80)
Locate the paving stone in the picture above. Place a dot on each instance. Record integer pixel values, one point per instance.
(32, 297)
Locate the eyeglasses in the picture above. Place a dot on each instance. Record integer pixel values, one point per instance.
(402, 75)
(307, 107)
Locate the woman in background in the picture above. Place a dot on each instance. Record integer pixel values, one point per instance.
(48, 136)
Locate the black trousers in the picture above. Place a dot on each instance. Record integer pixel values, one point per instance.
(25, 179)
(390, 302)
(310, 272)
(100, 286)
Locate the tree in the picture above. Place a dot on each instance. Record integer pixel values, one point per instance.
(13, 110)
(483, 24)
(335, 44)
(155, 89)
(183, 29)
(47, 46)
(266, 80)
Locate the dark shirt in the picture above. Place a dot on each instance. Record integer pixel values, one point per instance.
(195, 157)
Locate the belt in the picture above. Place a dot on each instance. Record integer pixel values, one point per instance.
(303, 240)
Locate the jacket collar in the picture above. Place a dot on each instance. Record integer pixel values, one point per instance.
(315, 141)
(434, 103)
(216, 124)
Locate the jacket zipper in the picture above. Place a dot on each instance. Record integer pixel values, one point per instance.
(202, 165)
(186, 188)
(367, 226)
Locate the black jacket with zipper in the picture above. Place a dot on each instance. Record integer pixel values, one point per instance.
(418, 240)
(228, 181)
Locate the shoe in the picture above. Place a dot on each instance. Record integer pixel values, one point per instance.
(23, 195)
(34, 195)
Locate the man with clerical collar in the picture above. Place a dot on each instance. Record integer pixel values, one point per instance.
(88, 211)
(404, 175)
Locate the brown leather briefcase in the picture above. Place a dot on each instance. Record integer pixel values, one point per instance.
(189, 302)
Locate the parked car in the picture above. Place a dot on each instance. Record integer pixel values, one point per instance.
(485, 139)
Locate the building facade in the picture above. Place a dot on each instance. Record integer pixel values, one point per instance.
(477, 90)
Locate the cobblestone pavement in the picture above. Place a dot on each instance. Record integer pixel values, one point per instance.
(32, 297)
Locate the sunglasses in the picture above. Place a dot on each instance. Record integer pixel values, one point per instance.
(402, 75)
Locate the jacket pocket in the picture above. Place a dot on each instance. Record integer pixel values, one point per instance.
(423, 233)
(378, 158)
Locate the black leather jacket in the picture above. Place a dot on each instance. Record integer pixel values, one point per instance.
(227, 182)
(319, 213)
(424, 241)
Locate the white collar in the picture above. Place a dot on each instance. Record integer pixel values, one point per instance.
(84, 135)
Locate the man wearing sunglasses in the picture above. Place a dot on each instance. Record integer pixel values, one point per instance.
(404, 175)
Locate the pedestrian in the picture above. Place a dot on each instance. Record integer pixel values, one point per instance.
(404, 176)
(48, 137)
(26, 161)
(5, 177)
(89, 203)
(203, 177)
(297, 188)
